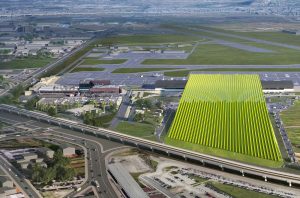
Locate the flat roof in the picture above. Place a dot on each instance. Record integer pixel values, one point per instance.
(170, 84)
(282, 84)
(129, 185)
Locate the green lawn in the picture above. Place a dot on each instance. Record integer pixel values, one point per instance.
(224, 154)
(148, 39)
(135, 129)
(29, 62)
(86, 69)
(184, 73)
(138, 70)
(238, 192)
(90, 61)
(291, 120)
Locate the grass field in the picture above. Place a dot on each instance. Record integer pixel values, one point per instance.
(227, 113)
(136, 129)
(90, 61)
(184, 73)
(291, 120)
(138, 70)
(86, 69)
(29, 62)
(148, 39)
(238, 192)
(214, 54)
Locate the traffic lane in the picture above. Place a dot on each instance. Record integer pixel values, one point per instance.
(18, 178)
(106, 144)
(96, 164)
(100, 171)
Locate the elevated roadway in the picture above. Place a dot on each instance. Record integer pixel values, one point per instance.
(244, 169)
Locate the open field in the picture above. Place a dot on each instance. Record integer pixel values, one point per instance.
(215, 54)
(85, 69)
(278, 37)
(238, 192)
(148, 39)
(138, 70)
(291, 121)
(227, 113)
(90, 61)
(29, 62)
(184, 73)
(135, 129)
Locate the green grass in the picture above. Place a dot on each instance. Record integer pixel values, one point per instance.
(86, 69)
(138, 70)
(90, 61)
(291, 120)
(225, 112)
(148, 39)
(135, 129)
(214, 54)
(184, 73)
(238, 192)
(29, 62)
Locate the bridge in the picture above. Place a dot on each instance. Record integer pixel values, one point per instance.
(233, 166)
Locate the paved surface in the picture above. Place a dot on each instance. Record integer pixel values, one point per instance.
(250, 39)
(19, 179)
(135, 79)
(97, 150)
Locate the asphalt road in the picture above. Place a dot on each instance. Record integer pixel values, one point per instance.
(19, 179)
(97, 150)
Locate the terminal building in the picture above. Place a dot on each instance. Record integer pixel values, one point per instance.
(277, 86)
(179, 85)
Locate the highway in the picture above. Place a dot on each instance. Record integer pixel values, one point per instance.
(38, 73)
(97, 149)
(154, 146)
(19, 179)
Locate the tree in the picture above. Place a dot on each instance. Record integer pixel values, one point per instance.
(52, 111)
(37, 173)
(49, 175)
(139, 117)
(30, 104)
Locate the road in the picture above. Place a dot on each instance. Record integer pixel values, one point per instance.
(262, 172)
(38, 73)
(97, 150)
(19, 179)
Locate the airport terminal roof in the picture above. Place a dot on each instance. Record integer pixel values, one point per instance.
(129, 185)
(170, 84)
(277, 84)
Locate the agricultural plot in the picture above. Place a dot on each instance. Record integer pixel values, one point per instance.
(227, 113)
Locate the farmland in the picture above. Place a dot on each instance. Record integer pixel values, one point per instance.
(225, 114)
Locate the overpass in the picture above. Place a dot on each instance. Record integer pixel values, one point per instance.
(244, 169)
